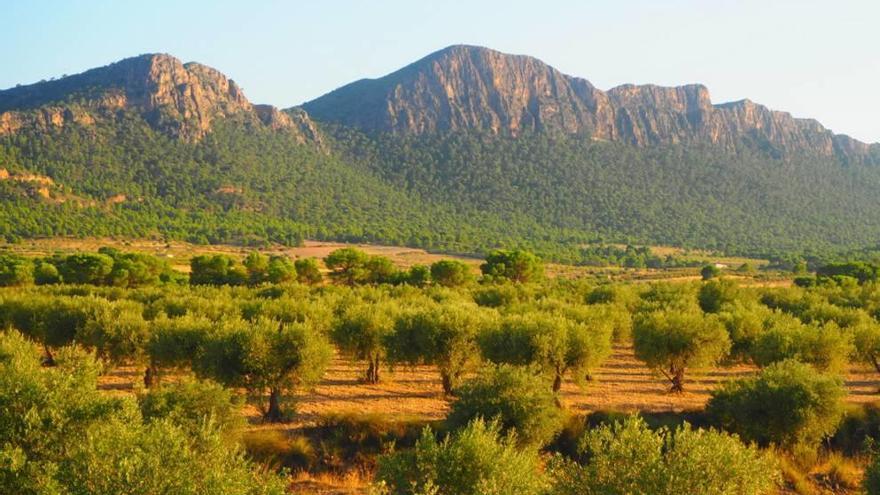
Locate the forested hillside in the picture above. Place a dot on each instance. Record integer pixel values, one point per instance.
(464, 151)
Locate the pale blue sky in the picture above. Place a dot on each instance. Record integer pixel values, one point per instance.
(814, 59)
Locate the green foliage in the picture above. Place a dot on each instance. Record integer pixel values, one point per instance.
(265, 357)
(348, 266)
(709, 272)
(629, 458)
(866, 339)
(193, 405)
(451, 273)
(670, 342)
(307, 271)
(552, 343)
(86, 268)
(361, 332)
(15, 271)
(826, 347)
(514, 396)
(476, 460)
(714, 294)
(517, 266)
(442, 335)
(61, 435)
(217, 269)
(788, 404)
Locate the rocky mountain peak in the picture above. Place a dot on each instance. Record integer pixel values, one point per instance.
(182, 100)
(465, 87)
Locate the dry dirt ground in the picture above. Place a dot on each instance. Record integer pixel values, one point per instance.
(621, 384)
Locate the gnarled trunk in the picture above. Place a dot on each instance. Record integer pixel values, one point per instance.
(677, 379)
(274, 414)
(447, 383)
(151, 376)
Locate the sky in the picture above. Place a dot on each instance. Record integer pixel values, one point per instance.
(816, 59)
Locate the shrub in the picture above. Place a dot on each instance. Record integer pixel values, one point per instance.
(516, 397)
(477, 460)
(709, 272)
(629, 458)
(671, 341)
(276, 449)
(193, 404)
(789, 404)
(15, 271)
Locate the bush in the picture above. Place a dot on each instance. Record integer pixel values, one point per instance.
(671, 341)
(276, 449)
(477, 460)
(789, 404)
(629, 458)
(516, 397)
(192, 405)
(15, 271)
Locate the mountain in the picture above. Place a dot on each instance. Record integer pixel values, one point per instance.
(466, 150)
(181, 100)
(474, 88)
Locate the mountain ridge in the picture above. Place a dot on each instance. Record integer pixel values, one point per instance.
(180, 99)
(465, 87)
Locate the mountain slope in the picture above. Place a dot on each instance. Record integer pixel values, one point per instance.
(472, 88)
(466, 150)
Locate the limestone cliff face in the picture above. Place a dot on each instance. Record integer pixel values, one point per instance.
(182, 100)
(466, 87)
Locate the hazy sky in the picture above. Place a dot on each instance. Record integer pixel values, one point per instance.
(813, 59)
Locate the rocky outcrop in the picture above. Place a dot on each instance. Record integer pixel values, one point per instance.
(466, 87)
(182, 100)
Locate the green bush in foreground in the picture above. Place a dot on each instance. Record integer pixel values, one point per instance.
(789, 404)
(62, 436)
(476, 460)
(515, 396)
(628, 458)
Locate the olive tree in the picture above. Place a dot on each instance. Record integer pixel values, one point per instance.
(788, 404)
(867, 344)
(514, 396)
(267, 358)
(672, 341)
(442, 335)
(361, 331)
(552, 343)
(826, 347)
